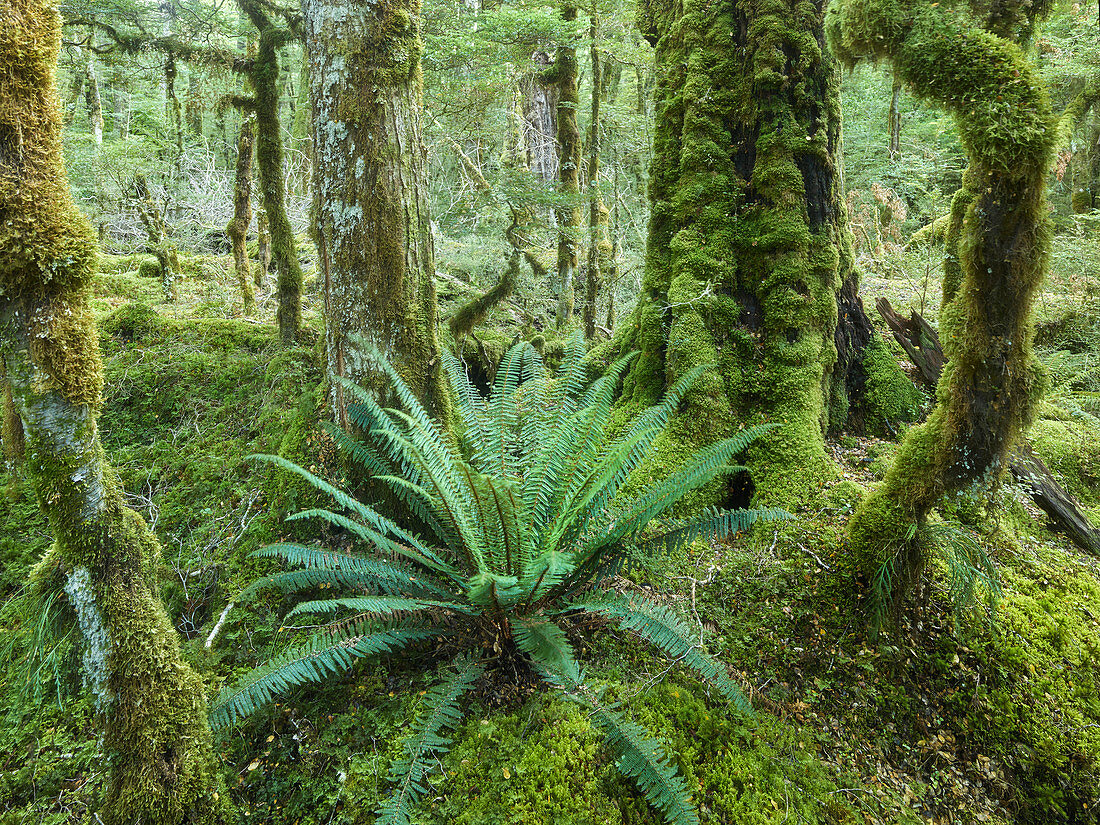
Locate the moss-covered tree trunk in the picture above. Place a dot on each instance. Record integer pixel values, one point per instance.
(237, 228)
(374, 242)
(564, 75)
(748, 244)
(1000, 232)
(155, 736)
(599, 242)
(264, 78)
(160, 245)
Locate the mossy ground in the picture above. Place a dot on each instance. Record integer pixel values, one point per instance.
(983, 716)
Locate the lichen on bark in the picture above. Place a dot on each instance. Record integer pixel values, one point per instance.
(156, 740)
(370, 214)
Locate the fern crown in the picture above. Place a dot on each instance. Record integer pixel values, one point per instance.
(526, 532)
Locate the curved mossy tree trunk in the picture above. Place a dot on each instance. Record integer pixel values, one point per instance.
(748, 245)
(372, 228)
(155, 735)
(264, 78)
(986, 394)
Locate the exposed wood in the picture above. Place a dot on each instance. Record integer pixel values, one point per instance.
(917, 338)
(922, 344)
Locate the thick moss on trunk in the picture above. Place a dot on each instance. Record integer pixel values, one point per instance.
(986, 394)
(748, 244)
(156, 739)
(371, 217)
(237, 228)
(264, 78)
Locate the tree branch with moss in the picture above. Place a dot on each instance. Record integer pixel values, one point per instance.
(987, 393)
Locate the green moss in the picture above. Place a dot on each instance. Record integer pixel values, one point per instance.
(1071, 449)
(747, 240)
(1000, 234)
(890, 397)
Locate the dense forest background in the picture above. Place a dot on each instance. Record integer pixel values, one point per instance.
(968, 692)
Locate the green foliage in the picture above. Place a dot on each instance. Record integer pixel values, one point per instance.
(526, 524)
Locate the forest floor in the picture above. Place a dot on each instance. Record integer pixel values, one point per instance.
(984, 710)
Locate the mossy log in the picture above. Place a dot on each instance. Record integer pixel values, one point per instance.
(155, 739)
(987, 393)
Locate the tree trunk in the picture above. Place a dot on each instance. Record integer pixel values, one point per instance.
(155, 736)
(264, 78)
(564, 75)
(263, 247)
(237, 229)
(987, 393)
(372, 228)
(599, 243)
(194, 102)
(92, 97)
(173, 109)
(748, 244)
(159, 245)
(895, 119)
(539, 134)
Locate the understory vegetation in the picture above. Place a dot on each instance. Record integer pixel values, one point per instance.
(412, 619)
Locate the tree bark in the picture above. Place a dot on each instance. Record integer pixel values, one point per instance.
(264, 78)
(155, 736)
(564, 74)
(895, 119)
(372, 227)
(599, 242)
(748, 244)
(987, 393)
(237, 229)
(160, 246)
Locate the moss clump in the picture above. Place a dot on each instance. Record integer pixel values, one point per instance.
(150, 268)
(132, 322)
(890, 398)
(543, 765)
(1038, 706)
(759, 772)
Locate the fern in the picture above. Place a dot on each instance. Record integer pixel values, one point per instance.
(320, 657)
(641, 758)
(521, 536)
(662, 628)
(441, 711)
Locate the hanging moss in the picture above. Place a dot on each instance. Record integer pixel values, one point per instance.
(986, 394)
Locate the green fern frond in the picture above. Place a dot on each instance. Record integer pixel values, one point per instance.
(321, 656)
(713, 523)
(379, 607)
(662, 628)
(441, 711)
(700, 469)
(638, 756)
(547, 644)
